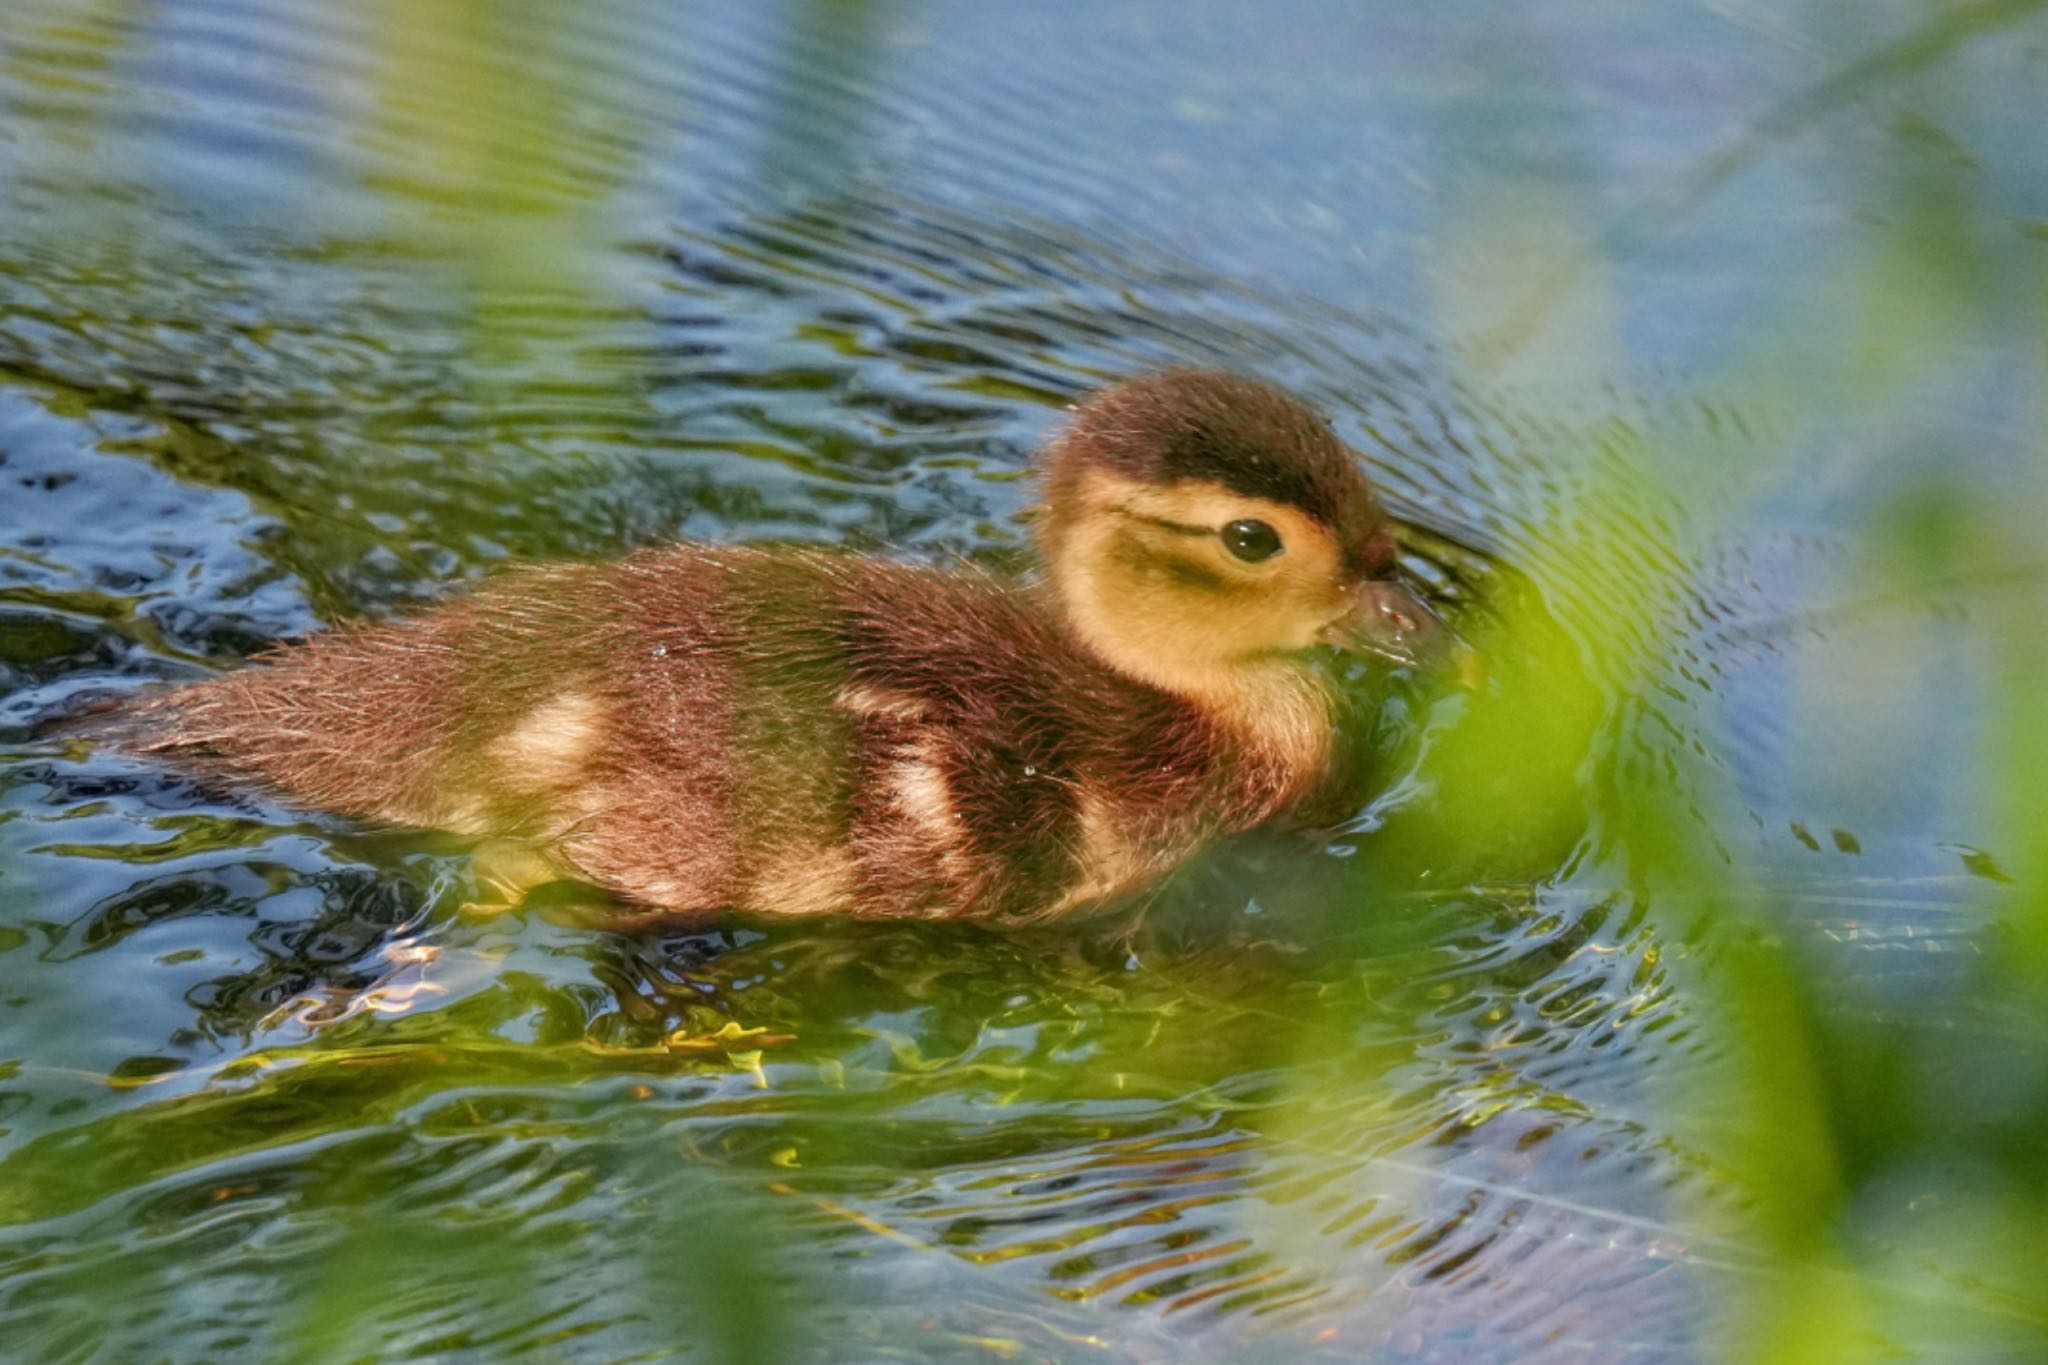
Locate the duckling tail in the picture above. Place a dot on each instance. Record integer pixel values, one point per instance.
(104, 718)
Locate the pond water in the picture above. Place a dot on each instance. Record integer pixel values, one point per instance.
(313, 311)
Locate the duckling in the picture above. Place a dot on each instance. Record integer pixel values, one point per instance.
(700, 727)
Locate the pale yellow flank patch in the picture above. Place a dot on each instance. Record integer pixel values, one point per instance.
(803, 880)
(879, 703)
(546, 750)
(1109, 861)
(924, 798)
(923, 794)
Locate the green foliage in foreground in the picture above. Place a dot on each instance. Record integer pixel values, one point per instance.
(699, 1166)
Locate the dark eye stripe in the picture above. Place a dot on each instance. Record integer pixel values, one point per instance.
(1156, 564)
(1177, 527)
(1250, 540)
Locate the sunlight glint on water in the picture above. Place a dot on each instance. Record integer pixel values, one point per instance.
(309, 312)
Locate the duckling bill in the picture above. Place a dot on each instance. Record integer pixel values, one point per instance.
(787, 732)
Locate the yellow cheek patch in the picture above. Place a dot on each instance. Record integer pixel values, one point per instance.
(1145, 579)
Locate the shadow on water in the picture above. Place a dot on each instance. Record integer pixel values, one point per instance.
(315, 312)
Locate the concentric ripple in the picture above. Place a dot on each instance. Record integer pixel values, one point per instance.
(310, 311)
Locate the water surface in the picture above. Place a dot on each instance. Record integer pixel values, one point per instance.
(310, 312)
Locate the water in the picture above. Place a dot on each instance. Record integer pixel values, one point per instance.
(315, 311)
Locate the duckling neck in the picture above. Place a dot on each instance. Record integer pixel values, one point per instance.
(1277, 710)
(1272, 707)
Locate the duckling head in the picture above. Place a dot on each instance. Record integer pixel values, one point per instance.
(1202, 529)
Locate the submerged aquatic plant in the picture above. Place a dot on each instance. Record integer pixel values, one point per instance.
(1555, 1051)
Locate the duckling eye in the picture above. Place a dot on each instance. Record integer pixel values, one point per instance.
(1251, 541)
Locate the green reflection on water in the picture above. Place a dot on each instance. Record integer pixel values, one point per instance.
(354, 1123)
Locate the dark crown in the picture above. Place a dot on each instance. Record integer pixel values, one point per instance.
(1247, 435)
